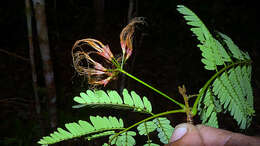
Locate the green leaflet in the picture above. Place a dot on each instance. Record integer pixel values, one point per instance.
(147, 104)
(127, 98)
(164, 129)
(124, 139)
(146, 127)
(212, 51)
(112, 99)
(137, 100)
(103, 97)
(97, 128)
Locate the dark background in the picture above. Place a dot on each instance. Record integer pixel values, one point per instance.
(168, 57)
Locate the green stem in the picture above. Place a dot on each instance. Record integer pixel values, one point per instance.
(194, 108)
(149, 86)
(144, 120)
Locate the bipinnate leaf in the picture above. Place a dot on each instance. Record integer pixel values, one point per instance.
(111, 99)
(231, 87)
(98, 127)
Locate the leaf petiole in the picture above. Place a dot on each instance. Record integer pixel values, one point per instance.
(154, 89)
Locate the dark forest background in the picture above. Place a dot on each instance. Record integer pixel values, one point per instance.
(166, 58)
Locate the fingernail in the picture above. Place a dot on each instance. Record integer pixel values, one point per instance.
(178, 133)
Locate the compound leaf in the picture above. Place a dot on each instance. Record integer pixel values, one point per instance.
(212, 51)
(112, 99)
(230, 87)
(99, 126)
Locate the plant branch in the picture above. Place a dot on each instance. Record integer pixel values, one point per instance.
(182, 91)
(149, 86)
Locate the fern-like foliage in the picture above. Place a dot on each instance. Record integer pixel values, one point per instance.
(109, 126)
(212, 51)
(112, 99)
(236, 52)
(230, 88)
(99, 126)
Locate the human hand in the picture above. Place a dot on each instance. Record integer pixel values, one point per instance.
(189, 135)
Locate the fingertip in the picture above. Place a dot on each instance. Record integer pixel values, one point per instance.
(181, 130)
